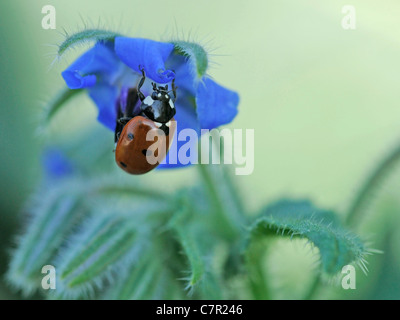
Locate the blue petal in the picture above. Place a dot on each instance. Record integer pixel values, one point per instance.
(105, 97)
(186, 118)
(216, 105)
(149, 54)
(100, 60)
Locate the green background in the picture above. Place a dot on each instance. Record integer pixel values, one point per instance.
(323, 102)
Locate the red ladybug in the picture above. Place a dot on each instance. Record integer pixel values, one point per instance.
(135, 153)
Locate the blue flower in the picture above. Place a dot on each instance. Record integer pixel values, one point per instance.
(109, 69)
(56, 164)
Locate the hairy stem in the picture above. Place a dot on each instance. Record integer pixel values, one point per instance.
(374, 180)
(84, 36)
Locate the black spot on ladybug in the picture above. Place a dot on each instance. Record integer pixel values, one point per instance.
(122, 164)
(130, 136)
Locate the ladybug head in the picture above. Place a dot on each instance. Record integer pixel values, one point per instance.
(160, 93)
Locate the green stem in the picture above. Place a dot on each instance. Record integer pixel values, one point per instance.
(58, 101)
(256, 272)
(230, 219)
(374, 180)
(227, 226)
(313, 288)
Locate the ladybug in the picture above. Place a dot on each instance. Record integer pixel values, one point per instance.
(156, 113)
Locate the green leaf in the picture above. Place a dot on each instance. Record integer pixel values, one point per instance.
(201, 280)
(140, 283)
(51, 236)
(148, 278)
(196, 248)
(196, 54)
(103, 248)
(191, 250)
(84, 37)
(337, 246)
(53, 217)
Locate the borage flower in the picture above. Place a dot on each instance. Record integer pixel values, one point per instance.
(111, 68)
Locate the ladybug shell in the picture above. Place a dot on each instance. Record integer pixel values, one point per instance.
(132, 146)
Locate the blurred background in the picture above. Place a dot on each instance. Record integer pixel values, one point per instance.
(323, 102)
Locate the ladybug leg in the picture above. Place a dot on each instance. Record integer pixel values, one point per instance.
(141, 95)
